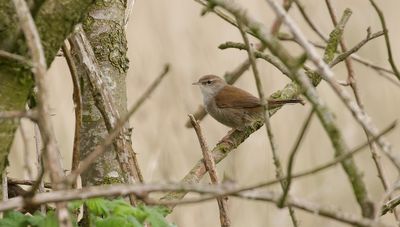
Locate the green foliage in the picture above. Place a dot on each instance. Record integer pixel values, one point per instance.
(102, 213)
(17, 219)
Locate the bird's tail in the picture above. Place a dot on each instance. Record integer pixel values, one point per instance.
(274, 103)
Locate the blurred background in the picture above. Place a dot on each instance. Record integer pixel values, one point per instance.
(173, 32)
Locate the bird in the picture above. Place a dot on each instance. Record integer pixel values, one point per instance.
(233, 106)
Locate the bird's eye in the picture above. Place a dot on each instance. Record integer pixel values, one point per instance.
(208, 81)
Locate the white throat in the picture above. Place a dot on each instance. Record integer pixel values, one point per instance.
(209, 93)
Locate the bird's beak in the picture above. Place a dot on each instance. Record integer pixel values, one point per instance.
(196, 83)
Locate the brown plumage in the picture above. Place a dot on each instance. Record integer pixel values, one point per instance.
(233, 106)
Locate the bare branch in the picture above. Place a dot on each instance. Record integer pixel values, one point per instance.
(77, 97)
(25, 182)
(15, 57)
(39, 62)
(212, 170)
(4, 185)
(30, 114)
(345, 54)
(149, 90)
(387, 40)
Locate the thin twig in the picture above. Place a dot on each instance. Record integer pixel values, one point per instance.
(272, 142)
(15, 57)
(51, 149)
(25, 182)
(4, 185)
(212, 170)
(309, 21)
(388, 196)
(30, 114)
(77, 97)
(390, 205)
(387, 40)
(149, 90)
(295, 148)
(39, 160)
(345, 54)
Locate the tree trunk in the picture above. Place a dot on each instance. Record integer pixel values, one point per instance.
(106, 34)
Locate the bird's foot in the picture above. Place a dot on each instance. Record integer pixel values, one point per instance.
(227, 138)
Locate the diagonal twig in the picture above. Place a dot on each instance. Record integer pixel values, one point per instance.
(98, 150)
(149, 90)
(387, 40)
(211, 168)
(293, 152)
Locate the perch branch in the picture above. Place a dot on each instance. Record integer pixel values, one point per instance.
(212, 170)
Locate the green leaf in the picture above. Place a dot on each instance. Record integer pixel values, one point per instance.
(14, 218)
(134, 221)
(155, 218)
(98, 207)
(36, 219)
(114, 222)
(74, 205)
(50, 220)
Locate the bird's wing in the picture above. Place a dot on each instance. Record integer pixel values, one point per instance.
(233, 97)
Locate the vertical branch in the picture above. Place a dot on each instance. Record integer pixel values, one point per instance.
(272, 142)
(211, 168)
(53, 160)
(387, 40)
(39, 163)
(77, 97)
(4, 185)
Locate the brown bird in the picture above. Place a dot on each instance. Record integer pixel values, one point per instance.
(232, 106)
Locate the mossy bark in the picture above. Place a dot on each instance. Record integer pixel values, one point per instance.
(104, 28)
(54, 20)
